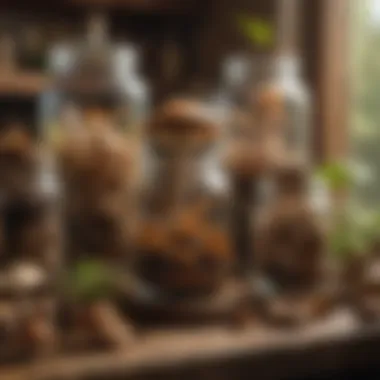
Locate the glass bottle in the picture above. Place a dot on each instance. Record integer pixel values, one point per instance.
(99, 83)
(183, 247)
(96, 167)
(290, 245)
(253, 146)
(297, 99)
(288, 77)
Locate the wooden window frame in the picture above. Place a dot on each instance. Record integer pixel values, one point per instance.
(330, 77)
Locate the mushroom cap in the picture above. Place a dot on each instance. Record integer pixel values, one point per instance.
(248, 160)
(183, 121)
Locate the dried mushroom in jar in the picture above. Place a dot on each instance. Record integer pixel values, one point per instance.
(183, 245)
(291, 242)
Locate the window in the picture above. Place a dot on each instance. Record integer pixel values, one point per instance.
(364, 112)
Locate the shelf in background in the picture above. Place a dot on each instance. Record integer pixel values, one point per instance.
(21, 84)
(180, 6)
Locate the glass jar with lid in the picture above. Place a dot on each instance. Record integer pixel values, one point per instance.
(183, 245)
(96, 83)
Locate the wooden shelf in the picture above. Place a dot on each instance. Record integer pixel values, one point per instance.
(22, 84)
(338, 343)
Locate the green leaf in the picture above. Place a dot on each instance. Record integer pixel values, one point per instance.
(354, 232)
(336, 176)
(89, 280)
(258, 31)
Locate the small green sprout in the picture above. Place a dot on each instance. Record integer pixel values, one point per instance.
(258, 31)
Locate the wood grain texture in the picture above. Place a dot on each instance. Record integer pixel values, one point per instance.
(333, 77)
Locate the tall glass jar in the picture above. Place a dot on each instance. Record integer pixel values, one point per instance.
(183, 247)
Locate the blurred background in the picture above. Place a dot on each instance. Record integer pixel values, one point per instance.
(183, 45)
(163, 48)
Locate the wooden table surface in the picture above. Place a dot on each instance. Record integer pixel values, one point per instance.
(337, 343)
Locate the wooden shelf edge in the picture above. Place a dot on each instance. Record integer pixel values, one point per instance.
(24, 84)
(310, 349)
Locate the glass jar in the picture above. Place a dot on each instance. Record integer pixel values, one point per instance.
(183, 245)
(290, 246)
(96, 83)
(96, 169)
(254, 146)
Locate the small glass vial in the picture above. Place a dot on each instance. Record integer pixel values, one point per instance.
(183, 246)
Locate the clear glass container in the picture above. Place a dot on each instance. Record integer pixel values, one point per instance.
(290, 243)
(183, 245)
(253, 132)
(95, 83)
(297, 133)
(97, 170)
(96, 167)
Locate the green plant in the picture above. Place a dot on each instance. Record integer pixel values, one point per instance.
(89, 280)
(336, 176)
(260, 32)
(354, 232)
(346, 240)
